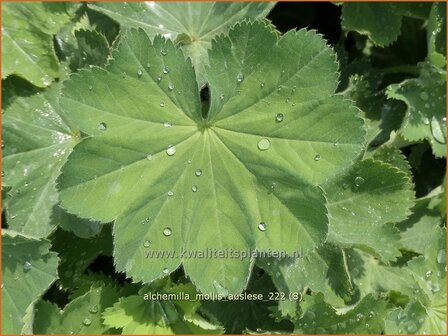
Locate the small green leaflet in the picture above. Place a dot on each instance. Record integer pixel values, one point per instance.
(367, 317)
(192, 25)
(425, 98)
(37, 141)
(27, 31)
(165, 175)
(426, 311)
(436, 34)
(134, 315)
(28, 269)
(381, 22)
(80, 316)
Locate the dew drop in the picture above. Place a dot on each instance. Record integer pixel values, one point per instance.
(198, 172)
(428, 274)
(102, 126)
(359, 181)
(239, 77)
(264, 144)
(167, 232)
(317, 157)
(46, 80)
(166, 69)
(279, 117)
(171, 150)
(167, 125)
(90, 87)
(93, 309)
(170, 193)
(87, 322)
(165, 271)
(149, 157)
(359, 317)
(139, 73)
(164, 52)
(262, 226)
(162, 104)
(148, 65)
(147, 243)
(170, 86)
(27, 266)
(159, 78)
(194, 188)
(262, 85)
(3, 173)
(221, 96)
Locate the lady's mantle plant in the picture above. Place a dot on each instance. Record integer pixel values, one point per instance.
(155, 131)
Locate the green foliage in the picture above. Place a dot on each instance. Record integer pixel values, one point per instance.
(28, 269)
(192, 26)
(285, 180)
(28, 31)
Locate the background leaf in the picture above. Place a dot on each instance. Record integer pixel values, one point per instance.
(28, 31)
(28, 269)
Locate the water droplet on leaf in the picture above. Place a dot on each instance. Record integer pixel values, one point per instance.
(139, 73)
(171, 150)
(262, 226)
(194, 188)
(279, 117)
(87, 322)
(239, 77)
(167, 232)
(317, 157)
(264, 144)
(198, 172)
(27, 266)
(147, 243)
(102, 126)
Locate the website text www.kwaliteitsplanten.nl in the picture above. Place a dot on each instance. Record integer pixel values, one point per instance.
(225, 253)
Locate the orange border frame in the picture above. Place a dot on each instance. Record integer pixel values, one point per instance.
(1, 130)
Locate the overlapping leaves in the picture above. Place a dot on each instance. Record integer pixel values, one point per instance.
(27, 36)
(191, 25)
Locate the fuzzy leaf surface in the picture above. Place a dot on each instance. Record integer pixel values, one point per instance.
(38, 139)
(28, 269)
(192, 25)
(27, 35)
(189, 199)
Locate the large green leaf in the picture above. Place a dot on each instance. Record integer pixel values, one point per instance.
(28, 269)
(425, 98)
(167, 176)
(27, 36)
(193, 25)
(37, 141)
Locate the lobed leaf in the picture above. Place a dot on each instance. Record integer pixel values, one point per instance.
(37, 141)
(191, 25)
(165, 174)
